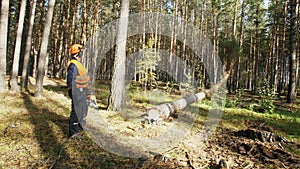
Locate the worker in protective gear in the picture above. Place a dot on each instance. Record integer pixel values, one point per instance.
(77, 82)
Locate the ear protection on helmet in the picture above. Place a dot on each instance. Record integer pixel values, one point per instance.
(80, 54)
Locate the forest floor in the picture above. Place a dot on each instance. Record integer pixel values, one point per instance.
(34, 132)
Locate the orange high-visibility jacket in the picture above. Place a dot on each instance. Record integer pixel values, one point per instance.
(83, 78)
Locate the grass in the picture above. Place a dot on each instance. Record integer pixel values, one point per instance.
(34, 131)
(283, 121)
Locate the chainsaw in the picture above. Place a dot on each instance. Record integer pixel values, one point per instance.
(92, 102)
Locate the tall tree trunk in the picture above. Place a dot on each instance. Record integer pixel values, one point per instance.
(57, 26)
(3, 42)
(282, 80)
(66, 37)
(24, 79)
(173, 39)
(250, 64)
(38, 38)
(276, 66)
(297, 44)
(73, 21)
(84, 20)
(94, 41)
(215, 14)
(43, 51)
(235, 14)
(256, 52)
(181, 72)
(292, 90)
(15, 70)
(117, 96)
(241, 38)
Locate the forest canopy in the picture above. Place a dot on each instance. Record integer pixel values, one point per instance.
(259, 38)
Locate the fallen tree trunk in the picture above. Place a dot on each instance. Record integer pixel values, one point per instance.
(163, 111)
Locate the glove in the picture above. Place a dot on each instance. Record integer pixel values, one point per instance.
(92, 101)
(91, 97)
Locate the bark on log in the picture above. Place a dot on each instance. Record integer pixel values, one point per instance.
(163, 111)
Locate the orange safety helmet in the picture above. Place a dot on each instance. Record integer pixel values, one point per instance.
(76, 48)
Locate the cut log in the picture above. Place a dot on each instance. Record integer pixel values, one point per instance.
(163, 111)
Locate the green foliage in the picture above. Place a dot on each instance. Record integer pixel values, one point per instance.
(137, 95)
(265, 102)
(147, 65)
(232, 103)
(229, 51)
(266, 96)
(145, 97)
(187, 87)
(236, 101)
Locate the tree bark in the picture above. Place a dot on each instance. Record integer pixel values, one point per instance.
(43, 51)
(256, 51)
(117, 96)
(282, 79)
(235, 14)
(3, 43)
(83, 28)
(66, 37)
(14, 77)
(24, 79)
(241, 38)
(292, 90)
(72, 41)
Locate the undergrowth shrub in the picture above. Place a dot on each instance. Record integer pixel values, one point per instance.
(236, 101)
(231, 103)
(266, 101)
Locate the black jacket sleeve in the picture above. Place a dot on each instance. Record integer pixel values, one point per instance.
(72, 73)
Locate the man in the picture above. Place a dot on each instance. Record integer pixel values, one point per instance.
(77, 82)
